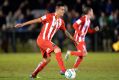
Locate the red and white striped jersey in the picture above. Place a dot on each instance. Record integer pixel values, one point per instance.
(82, 26)
(50, 26)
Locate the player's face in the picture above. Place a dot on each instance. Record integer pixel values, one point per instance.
(91, 14)
(61, 10)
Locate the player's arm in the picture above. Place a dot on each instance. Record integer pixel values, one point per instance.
(38, 20)
(77, 24)
(65, 31)
(68, 35)
(93, 30)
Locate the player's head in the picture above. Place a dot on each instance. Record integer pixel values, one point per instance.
(60, 8)
(88, 11)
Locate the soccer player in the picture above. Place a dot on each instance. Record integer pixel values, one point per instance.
(52, 22)
(81, 27)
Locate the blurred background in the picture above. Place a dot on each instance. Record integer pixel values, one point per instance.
(24, 39)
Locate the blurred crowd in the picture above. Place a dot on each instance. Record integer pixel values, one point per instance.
(18, 11)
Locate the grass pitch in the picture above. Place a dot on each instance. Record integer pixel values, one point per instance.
(97, 66)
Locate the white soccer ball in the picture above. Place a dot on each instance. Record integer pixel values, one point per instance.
(70, 74)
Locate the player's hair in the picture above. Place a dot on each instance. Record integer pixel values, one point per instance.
(60, 4)
(86, 10)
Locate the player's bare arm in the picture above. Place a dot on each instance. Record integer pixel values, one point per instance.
(38, 20)
(68, 35)
(93, 30)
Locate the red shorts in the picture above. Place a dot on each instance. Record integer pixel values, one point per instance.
(46, 47)
(81, 46)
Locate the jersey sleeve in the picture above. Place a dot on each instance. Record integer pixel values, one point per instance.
(45, 18)
(91, 30)
(63, 26)
(77, 24)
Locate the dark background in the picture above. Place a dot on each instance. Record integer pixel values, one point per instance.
(23, 39)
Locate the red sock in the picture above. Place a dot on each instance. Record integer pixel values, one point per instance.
(60, 61)
(78, 61)
(76, 53)
(39, 68)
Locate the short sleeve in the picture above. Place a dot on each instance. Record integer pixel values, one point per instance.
(91, 30)
(45, 18)
(79, 22)
(62, 26)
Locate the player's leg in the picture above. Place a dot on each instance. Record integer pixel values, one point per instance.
(77, 62)
(45, 60)
(79, 59)
(79, 52)
(40, 66)
(58, 54)
(73, 53)
(49, 47)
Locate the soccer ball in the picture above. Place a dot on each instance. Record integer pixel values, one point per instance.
(70, 74)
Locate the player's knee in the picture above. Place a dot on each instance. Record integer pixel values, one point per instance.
(81, 57)
(79, 51)
(57, 50)
(85, 54)
(46, 59)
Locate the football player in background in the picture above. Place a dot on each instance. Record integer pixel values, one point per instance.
(81, 27)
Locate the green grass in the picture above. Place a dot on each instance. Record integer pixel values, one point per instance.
(103, 66)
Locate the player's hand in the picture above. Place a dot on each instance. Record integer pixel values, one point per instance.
(18, 25)
(96, 28)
